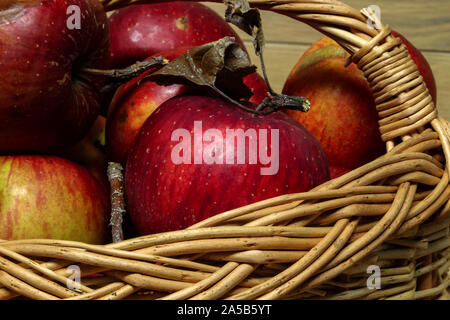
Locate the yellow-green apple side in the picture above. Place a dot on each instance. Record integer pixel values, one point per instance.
(53, 198)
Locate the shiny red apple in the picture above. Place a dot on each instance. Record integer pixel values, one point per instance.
(139, 31)
(197, 156)
(46, 102)
(51, 197)
(258, 85)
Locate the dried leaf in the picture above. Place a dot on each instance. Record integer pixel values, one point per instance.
(218, 65)
(247, 19)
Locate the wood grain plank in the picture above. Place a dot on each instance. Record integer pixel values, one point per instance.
(440, 64)
(280, 59)
(425, 23)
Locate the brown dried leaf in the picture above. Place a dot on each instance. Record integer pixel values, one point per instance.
(247, 19)
(218, 65)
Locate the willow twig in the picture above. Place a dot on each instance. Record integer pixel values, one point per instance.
(115, 178)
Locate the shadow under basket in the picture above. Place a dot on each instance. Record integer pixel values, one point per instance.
(390, 217)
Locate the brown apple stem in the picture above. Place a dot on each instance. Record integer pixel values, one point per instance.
(116, 77)
(277, 101)
(115, 178)
(128, 72)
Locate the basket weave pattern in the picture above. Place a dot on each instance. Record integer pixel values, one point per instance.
(393, 212)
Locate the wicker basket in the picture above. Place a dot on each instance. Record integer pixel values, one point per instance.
(392, 213)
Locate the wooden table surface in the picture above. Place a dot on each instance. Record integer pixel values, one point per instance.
(425, 23)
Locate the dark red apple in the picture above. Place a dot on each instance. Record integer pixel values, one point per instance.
(336, 172)
(45, 101)
(197, 156)
(133, 103)
(422, 65)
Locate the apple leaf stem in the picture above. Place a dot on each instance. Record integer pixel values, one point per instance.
(115, 178)
(272, 103)
(233, 101)
(264, 72)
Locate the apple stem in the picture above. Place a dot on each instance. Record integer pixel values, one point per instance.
(118, 76)
(278, 101)
(115, 178)
(272, 103)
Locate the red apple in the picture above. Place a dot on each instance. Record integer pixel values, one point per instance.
(45, 102)
(185, 164)
(422, 65)
(133, 103)
(139, 31)
(342, 117)
(336, 172)
(258, 86)
(51, 197)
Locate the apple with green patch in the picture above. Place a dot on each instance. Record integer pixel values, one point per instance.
(52, 198)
